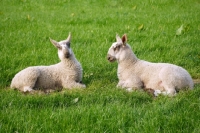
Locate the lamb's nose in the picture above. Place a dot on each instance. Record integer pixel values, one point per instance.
(108, 57)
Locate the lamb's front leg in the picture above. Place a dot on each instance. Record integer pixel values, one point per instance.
(73, 84)
(126, 85)
(79, 85)
(120, 84)
(132, 83)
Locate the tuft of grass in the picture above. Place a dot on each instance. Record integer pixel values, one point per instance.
(151, 26)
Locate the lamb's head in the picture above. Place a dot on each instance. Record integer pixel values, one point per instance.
(118, 49)
(64, 50)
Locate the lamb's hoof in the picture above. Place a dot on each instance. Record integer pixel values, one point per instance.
(83, 86)
(169, 94)
(129, 89)
(165, 93)
(27, 89)
(157, 93)
(150, 91)
(29, 92)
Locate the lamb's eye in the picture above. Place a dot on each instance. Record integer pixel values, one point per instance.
(68, 44)
(117, 48)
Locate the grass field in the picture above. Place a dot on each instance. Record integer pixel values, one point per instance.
(151, 27)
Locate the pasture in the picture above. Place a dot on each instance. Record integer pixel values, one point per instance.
(158, 31)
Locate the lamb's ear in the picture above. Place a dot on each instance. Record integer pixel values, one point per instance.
(124, 39)
(69, 37)
(118, 39)
(56, 44)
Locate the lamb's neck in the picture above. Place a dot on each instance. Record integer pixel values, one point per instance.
(128, 61)
(126, 64)
(69, 62)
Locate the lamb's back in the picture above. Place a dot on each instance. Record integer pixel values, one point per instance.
(153, 74)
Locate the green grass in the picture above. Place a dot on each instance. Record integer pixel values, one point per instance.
(25, 28)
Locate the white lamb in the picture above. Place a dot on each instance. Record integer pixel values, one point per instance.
(135, 73)
(65, 74)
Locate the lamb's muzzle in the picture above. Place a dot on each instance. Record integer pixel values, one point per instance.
(111, 58)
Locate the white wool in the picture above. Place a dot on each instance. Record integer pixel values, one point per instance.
(132, 72)
(65, 74)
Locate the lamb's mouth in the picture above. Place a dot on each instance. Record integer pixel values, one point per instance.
(111, 58)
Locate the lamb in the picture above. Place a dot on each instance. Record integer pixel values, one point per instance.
(134, 73)
(65, 74)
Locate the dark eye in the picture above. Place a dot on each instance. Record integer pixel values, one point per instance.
(117, 48)
(68, 44)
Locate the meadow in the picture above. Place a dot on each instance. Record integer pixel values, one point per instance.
(158, 31)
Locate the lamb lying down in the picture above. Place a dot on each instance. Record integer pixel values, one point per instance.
(66, 74)
(135, 73)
